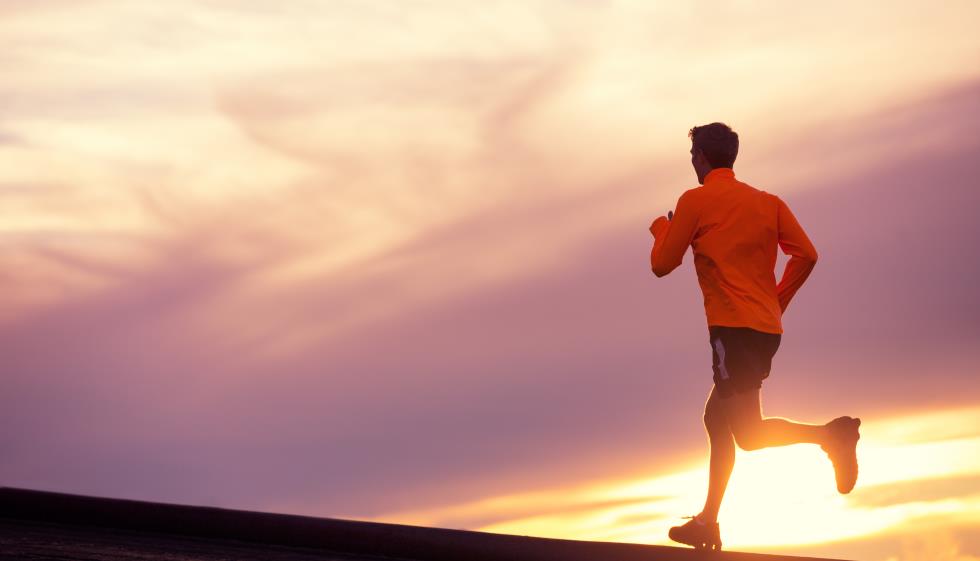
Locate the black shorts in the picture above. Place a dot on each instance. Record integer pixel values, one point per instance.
(741, 357)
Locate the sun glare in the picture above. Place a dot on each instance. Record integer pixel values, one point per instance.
(912, 466)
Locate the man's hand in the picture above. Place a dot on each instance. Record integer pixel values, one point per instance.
(660, 223)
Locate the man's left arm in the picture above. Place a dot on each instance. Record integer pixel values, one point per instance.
(673, 236)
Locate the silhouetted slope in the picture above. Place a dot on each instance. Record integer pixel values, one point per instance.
(47, 525)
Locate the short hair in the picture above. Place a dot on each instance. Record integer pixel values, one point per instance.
(718, 142)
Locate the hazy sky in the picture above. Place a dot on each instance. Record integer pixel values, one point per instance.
(389, 261)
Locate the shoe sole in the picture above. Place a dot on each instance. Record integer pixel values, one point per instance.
(844, 457)
(698, 545)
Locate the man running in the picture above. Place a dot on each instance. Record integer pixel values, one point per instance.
(734, 229)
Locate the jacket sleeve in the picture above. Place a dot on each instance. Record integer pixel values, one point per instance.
(803, 256)
(672, 237)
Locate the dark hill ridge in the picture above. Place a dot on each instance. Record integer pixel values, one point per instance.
(47, 525)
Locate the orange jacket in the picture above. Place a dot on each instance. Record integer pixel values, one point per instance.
(734, 229)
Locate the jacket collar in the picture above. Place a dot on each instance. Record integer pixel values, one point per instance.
(719, 174)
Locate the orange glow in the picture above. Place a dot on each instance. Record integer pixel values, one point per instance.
(778, 497)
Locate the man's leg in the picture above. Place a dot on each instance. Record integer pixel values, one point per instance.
(752, 432)
(722, 455)
(838, 438)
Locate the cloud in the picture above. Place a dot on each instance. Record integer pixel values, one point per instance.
(479, 520)
(961, 487)
(941, 539)
(9, 138)
(421, 376)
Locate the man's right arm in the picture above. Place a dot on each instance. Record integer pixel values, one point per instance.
(803, 256)
(673, 236)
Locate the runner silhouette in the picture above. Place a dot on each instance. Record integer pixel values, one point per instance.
(734, 230)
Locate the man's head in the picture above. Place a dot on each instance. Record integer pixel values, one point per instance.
(712, 146)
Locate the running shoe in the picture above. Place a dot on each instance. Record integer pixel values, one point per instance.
(842, 450)
(697, 534)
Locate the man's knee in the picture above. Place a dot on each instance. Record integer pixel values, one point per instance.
(749, 436)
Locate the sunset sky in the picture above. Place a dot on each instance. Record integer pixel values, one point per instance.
(390, 261)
